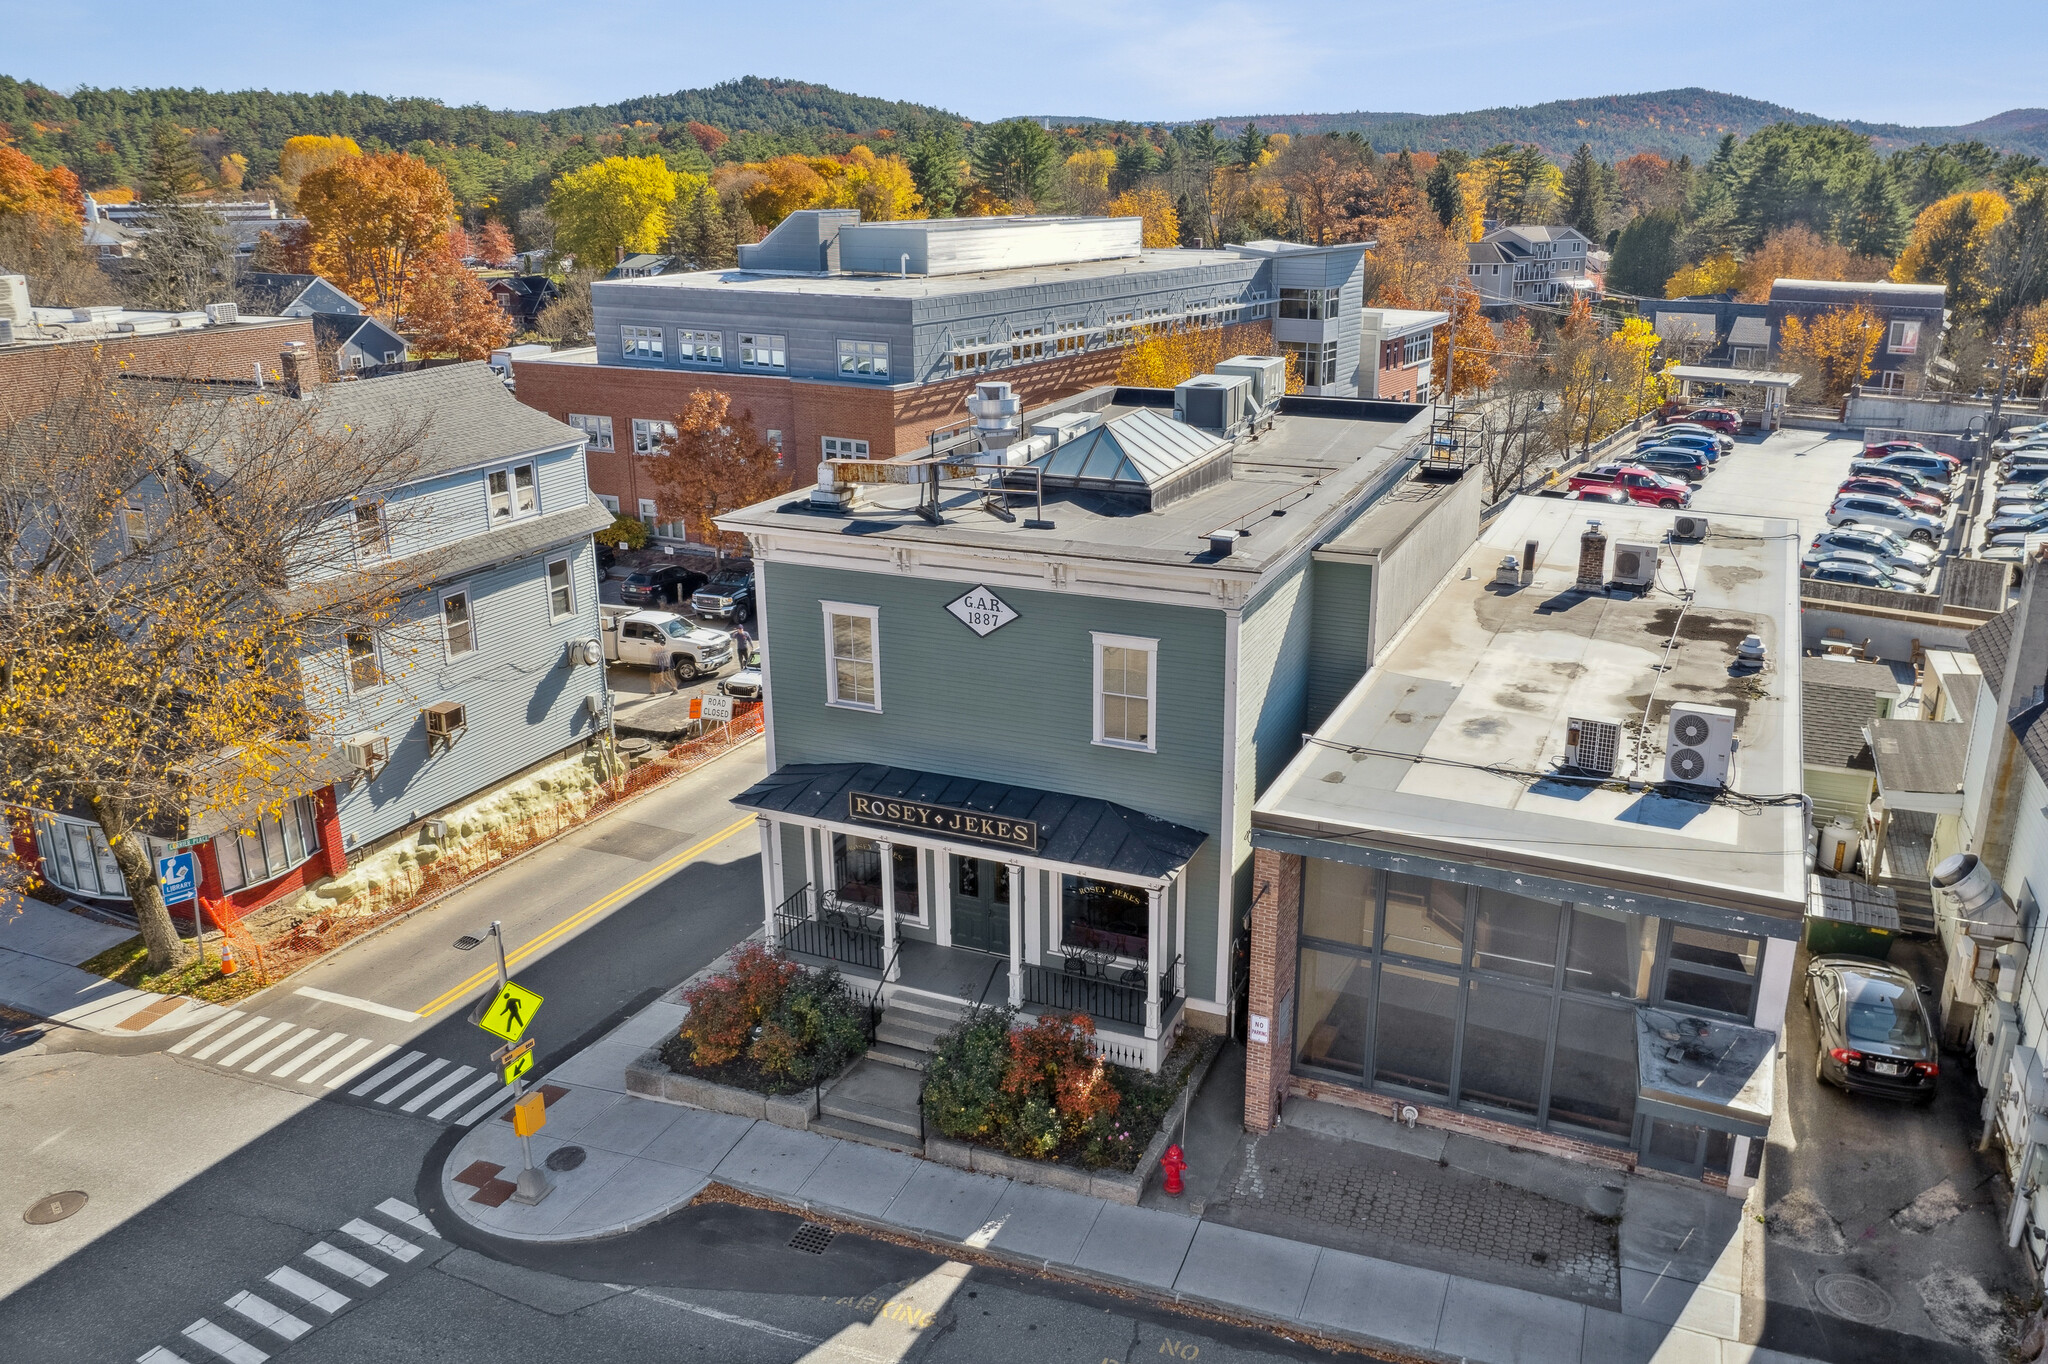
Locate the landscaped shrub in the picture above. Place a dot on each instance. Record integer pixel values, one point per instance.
(767, 1024)
(964, 1078)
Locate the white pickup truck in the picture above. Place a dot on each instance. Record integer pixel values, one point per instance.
(663, 641)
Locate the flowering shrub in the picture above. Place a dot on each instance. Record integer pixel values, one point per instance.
(725, 1008)
(768, 1024)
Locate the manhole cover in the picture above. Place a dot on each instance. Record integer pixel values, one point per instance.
(54, 1207)
(1853, 1298)
(565, 1157)
(811, 1238)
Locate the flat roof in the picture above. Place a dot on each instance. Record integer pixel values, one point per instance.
(58, 326)
(1318, 454)
(1408, 319)
(933, 286)
(1451, 746)
(1719, 374)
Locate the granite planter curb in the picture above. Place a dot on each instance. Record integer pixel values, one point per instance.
(650, 1078)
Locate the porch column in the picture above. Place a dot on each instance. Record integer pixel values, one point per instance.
(1156, 921)
(1016, 935)
(890, 970)
(767, 830)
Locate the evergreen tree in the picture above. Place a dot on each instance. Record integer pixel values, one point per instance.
(1446, 195)
(1880, 220)
(174, 171)
(185, 259)
(1585, 206)
(1250, 145)
(935, 156)
(1015, 159)
(1136, 160)
(1645, 255)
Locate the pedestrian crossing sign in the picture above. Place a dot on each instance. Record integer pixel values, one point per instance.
(510, 1011)
(519, 1064)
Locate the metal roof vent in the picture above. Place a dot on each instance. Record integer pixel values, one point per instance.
(1222, 543)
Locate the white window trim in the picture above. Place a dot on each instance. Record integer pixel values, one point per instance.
(845, 448)
(608, 502)
(1149, 647)
(776, 345)
(348, 664)
(548, 581)
(631, 336)
(596, 428)
(378, 547)
(461, 590)
(873, 616)
(688, 339)
(511, 473)
(659, 432)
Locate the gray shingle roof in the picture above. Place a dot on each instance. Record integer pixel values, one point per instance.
(1848, 672)
(1920, 755)
(1833, 719)
(470, 417)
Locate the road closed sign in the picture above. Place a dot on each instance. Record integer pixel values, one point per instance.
(717, 709)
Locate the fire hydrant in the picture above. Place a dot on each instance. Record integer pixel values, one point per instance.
(1173, 1162)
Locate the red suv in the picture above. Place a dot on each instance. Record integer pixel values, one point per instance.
(1722, 419)
(1642, 485)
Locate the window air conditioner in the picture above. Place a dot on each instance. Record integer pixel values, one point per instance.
(445, 719)
(1592, 746)
(219, 314)
(366, 752)
(1699, 741)
(1635, 565)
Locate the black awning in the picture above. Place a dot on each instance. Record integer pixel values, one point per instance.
(1078, 830)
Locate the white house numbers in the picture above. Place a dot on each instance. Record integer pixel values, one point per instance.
(982, 611)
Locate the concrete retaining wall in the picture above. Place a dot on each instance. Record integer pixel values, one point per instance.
(652, 1079)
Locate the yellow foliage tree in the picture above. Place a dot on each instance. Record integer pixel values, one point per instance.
(614, 206)
(1947, 245)
(1832, 352)
(1090, 169)
(1631, 370)
(1165, 357)
(1162, 224)
(881, 187)
(1717, 274)
(302, 156)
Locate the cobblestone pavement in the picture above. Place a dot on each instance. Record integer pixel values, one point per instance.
(1349, 1196)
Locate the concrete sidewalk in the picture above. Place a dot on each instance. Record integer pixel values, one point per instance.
(40, 948)
(633, 1160)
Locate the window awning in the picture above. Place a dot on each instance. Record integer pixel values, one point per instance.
(1081, 831)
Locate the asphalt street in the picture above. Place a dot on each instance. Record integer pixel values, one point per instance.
(219, 1189)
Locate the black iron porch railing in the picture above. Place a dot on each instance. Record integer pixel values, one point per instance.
(1118, 997)
(840, 933)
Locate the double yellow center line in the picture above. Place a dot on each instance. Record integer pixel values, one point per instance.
(582, 916)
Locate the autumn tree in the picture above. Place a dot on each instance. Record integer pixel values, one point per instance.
(1717, 274)
(1166, 357)
(453, 313)
(377, 226)
(569, 317)
(1319, 173)
(169, 660)
(185, 259)
(2014, 275)
(1162, 223)
(612, 208)
(494, 244)
(301, 156)
(717, 463)
(1086, 185)
(1948, 245)
(1515, 435)
(1467, 357)
(1830, 352)
(40, 219)
(1015, 160)
(1798, 252)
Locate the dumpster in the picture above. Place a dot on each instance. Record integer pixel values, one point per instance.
(1847, 916)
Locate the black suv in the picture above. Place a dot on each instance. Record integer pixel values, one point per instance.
(729, 597)
(670, 583)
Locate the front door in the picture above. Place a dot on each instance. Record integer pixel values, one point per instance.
(981, 904)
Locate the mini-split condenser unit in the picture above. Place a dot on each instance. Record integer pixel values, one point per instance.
(1592, 746)
(1635, 565)
(1689, 528)
(1699, 743)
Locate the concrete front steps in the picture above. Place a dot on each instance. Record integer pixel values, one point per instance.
(877, 1100)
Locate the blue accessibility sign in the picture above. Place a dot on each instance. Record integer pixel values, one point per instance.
(178, 875)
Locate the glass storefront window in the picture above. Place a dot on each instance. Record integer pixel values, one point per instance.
(278, 843)
(1335, 990)
(1593, 1075)
(1711, 971)
(1611, 953)
(76, 857)
(1340, 902)
(1515, 935)
(857, 869)
(1416, 1032)
(1104, 916)
(904, 858)
(1506, 1032)
(1425, 918)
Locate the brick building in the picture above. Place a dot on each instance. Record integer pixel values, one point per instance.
(849, 339)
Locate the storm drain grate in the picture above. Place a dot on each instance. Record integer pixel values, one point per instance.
(811, 1239)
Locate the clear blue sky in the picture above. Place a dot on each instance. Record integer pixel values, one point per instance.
(1880, 60)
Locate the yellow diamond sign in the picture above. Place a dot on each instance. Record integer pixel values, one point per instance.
(510, 1011)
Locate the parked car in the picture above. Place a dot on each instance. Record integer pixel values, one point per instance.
(662, 641)
(663, 583)
(744, 685)
(1880, 449)
(728, 597)
(2022, 459)
(2022, 524)
(2019, 499)
(607, 557)
(1888, 513)
(1907, 477)
(1871, 540)
(2018, 436)
(1722, 440)
(1858, 573)
(1682, 460)
(1891, 487)
(1719, 418)
(1706, 442)
(1931, 467)
(1873, 1032)
(2026, 476)
(1610, 496)
(1911, 579)
(1642, 485)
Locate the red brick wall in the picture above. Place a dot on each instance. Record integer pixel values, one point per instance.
(28, 374)
(331, 860)
(1276, 928)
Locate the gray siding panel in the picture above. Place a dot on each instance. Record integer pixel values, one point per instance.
(1342, 636)
(1410, 571)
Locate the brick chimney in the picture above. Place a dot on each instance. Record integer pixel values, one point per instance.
(300, 369)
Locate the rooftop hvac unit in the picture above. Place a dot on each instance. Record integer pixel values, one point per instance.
(14, 300)
(1213, 402)
(1635, 565)
(366, 752)
(1699, 741)
(1689, 528)
(1268, 374)
(1592, 746)
(445, 719)
(219, 314)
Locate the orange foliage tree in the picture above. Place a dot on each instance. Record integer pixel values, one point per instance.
(1798, 252)
(494, 244)
(1832, 352)
(376, 226)
(1476, 345)
(454, 314)
(28, 189)
(716, 463)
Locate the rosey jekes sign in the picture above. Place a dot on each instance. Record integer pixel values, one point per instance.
(944, 820)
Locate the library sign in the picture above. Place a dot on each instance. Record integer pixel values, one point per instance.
(946, 821)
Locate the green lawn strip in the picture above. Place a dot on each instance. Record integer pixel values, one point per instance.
(127, 963)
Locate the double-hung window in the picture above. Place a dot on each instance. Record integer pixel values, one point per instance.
(365, 668)
(852, 656)
(597, 431)
(134, 527)
(864, 359)
(1126, 691)
(640, 343)
(844, 447)
(458, 626)
(561, 591)
(650, 436)
(758, 350)
(369, 529)
(1905, 338)
(513, 493)
(700, 348)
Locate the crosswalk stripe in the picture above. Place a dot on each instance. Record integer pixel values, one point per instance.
(385, 1074)
(224, 1343)
(440, 1086)
(159, 1355)
(200, 1033)
(397, 1247)
(284, 1071)
(234, 1057)
(256, 1066)
(344, 1264)
(372, 1059)
(409, 1081)
(464, 1095)
(308, 1288)
(337, 1059)
(400, 1211)
(268, 1315)
(217, 1043)
(481, 1109)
